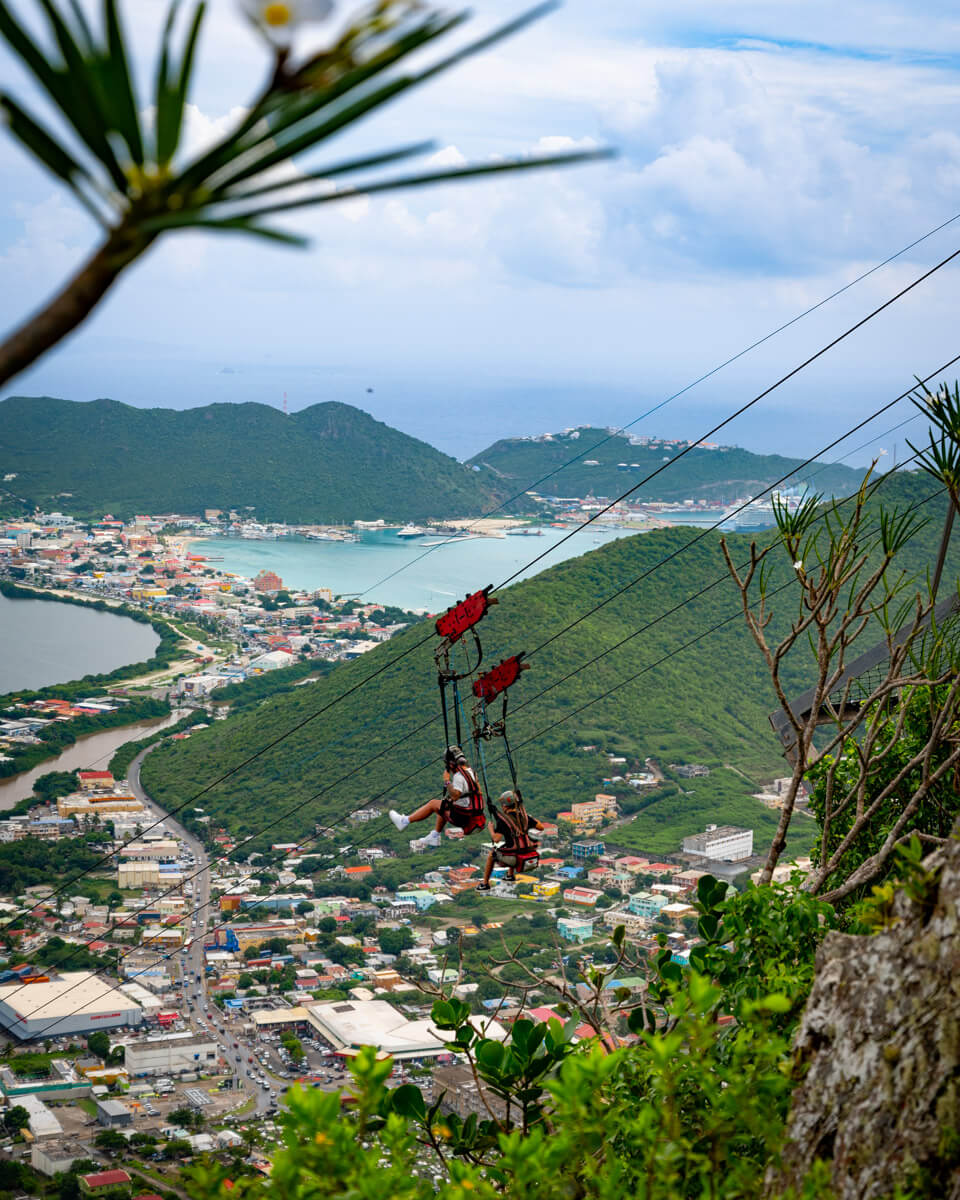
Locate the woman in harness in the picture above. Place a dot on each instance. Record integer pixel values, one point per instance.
(461, 803)
(511, 826)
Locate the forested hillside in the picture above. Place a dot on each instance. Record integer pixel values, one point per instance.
(329, 462)
(704, 703)
(725, 473)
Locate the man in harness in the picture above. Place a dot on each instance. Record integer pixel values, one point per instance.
(461, 803)
(511, 826)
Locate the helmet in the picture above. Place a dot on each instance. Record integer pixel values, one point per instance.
(453, 756)
(510, 799)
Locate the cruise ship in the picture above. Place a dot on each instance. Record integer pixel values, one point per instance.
(411, 531)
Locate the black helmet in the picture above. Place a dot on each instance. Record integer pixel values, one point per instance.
(453, 756)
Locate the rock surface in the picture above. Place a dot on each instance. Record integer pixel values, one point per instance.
(880, 1040)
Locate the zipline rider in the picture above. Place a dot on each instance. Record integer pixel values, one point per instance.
(461, 803)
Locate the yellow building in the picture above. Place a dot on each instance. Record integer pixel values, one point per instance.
(543, 891)
(599, 808)
(78, 804)
(161, 935)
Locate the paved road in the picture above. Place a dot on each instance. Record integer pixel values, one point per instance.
(188, 965)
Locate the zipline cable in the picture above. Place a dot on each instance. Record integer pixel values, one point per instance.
(675, 396)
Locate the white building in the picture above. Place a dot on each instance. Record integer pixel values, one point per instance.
(74, 1002)
(722, 843)
(348, 1026)
(170, 1054)
(43, 1124)
(54, 1158)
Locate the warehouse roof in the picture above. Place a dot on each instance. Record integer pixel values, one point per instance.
(73, 992)
(355, 1023)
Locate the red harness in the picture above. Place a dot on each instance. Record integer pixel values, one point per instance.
(520, 845)
(468, 819)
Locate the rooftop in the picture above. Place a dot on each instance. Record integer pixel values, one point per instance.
(73, 992)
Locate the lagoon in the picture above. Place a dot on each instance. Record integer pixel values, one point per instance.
(44, 642)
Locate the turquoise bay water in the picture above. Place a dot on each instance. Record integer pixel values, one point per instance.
(442, 576)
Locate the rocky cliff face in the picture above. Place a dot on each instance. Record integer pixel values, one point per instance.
(880, 1039)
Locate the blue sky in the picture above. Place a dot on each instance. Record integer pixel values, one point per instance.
(767, 154)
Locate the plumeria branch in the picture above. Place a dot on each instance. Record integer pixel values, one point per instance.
(131, 180)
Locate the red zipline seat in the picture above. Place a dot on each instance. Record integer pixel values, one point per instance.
(487, 687)
(463, 616)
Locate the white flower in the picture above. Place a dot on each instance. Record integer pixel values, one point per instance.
(280, 19)
(798, 566)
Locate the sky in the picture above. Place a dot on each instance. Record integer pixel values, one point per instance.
(767, 154)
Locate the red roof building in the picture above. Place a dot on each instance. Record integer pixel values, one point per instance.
(104, 1180)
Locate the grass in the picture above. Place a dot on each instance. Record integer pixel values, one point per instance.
(719, 799)
(88, 1106)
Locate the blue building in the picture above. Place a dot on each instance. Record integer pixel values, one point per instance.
(584, 850)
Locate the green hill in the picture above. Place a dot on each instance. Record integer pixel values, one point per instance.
(707, 703)
(329, 462)
(725, 473)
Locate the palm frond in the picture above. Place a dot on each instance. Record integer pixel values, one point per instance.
(189, 219)
(31, 134)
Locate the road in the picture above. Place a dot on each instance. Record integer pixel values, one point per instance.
(188, 966)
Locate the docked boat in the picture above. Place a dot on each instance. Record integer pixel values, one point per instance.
(411, 531)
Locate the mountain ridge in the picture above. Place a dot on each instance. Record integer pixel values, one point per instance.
(721, 473)
(326, 463)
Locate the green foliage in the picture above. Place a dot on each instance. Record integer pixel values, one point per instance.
(721, 475)
(16, 1118)
(29, 862)
(120, 763)
(759, 942)
(250, 692)
(110, 1141)
(328, 462)
(691, 1111)
(71, 956)
(98, 1043)
(395, 941)
(936, 812)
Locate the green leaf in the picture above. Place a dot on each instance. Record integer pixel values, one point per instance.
(36, 139)
(408, 1101)
(775, 1003)
(73, 91)
(171, 97)
(490, 1054)
(637, 1020)
(342, 168)
(120, 95)
(430, 177)
(223, 225)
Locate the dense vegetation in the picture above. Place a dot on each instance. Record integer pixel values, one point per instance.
(703, 702)
(722, 474)
(31, 861)
(329, 462)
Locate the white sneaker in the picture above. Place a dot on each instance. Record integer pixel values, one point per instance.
(399, 819)
(431, 841)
